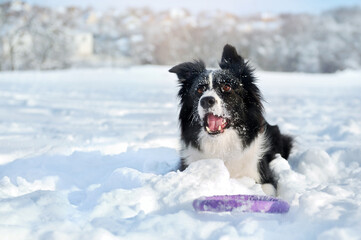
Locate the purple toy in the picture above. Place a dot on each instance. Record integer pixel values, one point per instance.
(240, 203)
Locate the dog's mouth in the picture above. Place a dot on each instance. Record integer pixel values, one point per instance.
(215, 124)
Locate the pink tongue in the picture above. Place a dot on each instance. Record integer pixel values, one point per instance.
(214, 122)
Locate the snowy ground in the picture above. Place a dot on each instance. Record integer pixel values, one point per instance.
(89, 154)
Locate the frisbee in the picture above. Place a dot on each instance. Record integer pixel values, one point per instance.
(240, 203)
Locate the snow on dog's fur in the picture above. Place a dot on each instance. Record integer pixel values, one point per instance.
(221, 117)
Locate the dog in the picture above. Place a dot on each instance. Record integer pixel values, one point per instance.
(221, 116)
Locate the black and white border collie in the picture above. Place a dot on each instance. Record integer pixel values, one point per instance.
(221, 117)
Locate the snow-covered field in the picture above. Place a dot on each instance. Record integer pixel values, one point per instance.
(90, 154)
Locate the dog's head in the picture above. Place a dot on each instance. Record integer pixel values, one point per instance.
(219, 99)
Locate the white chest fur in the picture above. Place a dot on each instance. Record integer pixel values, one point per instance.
(227, 146)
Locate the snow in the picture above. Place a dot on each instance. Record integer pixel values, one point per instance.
(91, 154)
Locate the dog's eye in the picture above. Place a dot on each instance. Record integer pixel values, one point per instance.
(226, 88)
(201, 89)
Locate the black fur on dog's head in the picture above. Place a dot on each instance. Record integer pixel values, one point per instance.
(223, 98)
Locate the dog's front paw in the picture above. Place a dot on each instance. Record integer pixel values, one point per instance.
(269, 189)
(278, 165)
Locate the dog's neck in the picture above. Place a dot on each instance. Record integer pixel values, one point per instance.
(240, 160)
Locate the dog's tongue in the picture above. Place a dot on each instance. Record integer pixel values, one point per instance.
(215, 122)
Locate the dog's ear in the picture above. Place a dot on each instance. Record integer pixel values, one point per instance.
(188, 70)
(231, 60)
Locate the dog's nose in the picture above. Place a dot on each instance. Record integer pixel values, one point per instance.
(208, 102)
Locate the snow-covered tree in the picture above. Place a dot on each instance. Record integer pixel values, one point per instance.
(33, 37)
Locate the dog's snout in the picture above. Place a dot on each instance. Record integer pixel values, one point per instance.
(208, 102)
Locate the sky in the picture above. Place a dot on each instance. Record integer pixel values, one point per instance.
(243, 7)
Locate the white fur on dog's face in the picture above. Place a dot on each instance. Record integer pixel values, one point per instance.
(218, 109)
